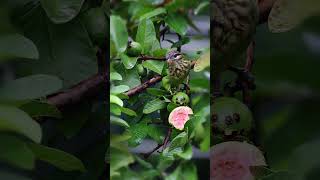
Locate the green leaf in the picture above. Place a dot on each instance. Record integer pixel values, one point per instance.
(179, 141)
(60, 11)
(115, 109)
(16, 152)
(156, 66)
(153, 13)
(114, 76)
(119, 159)
(14, 120)
(118, 121)
(17, 46)
(118, 33)
(30, 87)
(177, 23)
(116, 100)
(201, 6)
(203, 62)
(189, 171)
(138, 133)
(130, 77)
(57, 158)
(156, 91)
(260, 171)
(128, 112)
(119, 89)
(146, 36)
(153, 106)
(65, 49)
(128, 62)
(37, 109)
(187, 152)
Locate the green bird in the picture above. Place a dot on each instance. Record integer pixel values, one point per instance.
(233, 27)
(179, 68)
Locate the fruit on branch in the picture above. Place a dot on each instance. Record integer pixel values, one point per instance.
(141, 70)
(180, 99)
(229, 116)
(134, 49)
(232, 161)
(179, 68)
(179, 116)
(234, 24)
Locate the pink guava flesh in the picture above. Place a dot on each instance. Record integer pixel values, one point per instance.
(232, 161)
(179, 116)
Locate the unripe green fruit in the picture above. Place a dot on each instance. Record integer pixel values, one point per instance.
(141, 70)
(181, 98)
(134, 49)
(229, 115)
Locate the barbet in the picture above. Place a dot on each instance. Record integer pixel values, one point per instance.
(234, 25)
(179, 68)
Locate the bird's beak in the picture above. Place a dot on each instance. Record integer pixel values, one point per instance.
(170, 61)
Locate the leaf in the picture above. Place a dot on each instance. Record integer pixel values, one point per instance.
(119, 89)
(119, 159)
(201, 6)
(179, 141)
(128, 62)
(260, 171)
(282, 175)
(57, 158)
(116, 100)
(203, 62)
(187, 153)
(118, 33)
(128, 112)
(115, 109)
(16, 152)
(38, 109)
(60, 11)
(14, 120)
(156, 92)
(146, 36)
(138, 133)
(118, 121)
(189, 171)
(153, 13)
(177, 23)
(30, 87)
(130, 77)
(156, 66)
(17, 46)
(153, 106)
(114, 76)
(59, 47)
(287, 14)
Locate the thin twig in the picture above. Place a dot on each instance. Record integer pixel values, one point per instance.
(144, 86)
(144, 58)
(164, 144)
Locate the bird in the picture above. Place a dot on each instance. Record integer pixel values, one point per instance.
(233, 27)
(178, 67)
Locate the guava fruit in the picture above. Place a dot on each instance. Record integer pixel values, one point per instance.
(134, 49)
(232, 161)
(179, 116)
(181, 98)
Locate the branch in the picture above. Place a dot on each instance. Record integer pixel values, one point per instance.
(164, 144)
(144, 86)
(75, 94)
(144, 58)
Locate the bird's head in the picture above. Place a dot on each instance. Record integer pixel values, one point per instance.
(173, 56)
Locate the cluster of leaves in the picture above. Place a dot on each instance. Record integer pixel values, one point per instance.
(286, 96)
(145, 115)
(45, 47)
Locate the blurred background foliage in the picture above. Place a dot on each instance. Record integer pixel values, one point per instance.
(47, 47)
(139, 122)
(286, 101)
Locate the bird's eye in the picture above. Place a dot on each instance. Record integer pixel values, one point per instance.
(176, 55)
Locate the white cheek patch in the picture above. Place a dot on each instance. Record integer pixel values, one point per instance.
(178, 57)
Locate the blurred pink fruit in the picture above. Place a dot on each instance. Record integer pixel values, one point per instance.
(232, 161)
